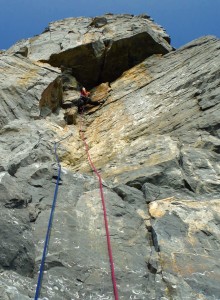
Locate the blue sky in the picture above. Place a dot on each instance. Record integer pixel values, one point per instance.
(184, 20)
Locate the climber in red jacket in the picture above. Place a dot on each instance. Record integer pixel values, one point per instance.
(84, 99)
(84, 92)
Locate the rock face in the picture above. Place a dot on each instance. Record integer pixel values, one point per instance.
(22, 84)
(186, 233)
(155, 141)
(97, 49)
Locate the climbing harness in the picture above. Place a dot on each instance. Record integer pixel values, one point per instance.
(47, 238)
(103, 207)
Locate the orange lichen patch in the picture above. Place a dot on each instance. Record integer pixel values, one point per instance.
(100, 92)
(185, 266)
(72, 150)
(6, 70)
(191, 236)
(90, 37)
(26, 77)
(69, 160)
(46, 65)
(143, 214)
(199, 209)
(172, 262)
(133, 78)
(113, 118)
(158, 158)
(196, 263)
(137, 73)
(156, 210)
(101, 149)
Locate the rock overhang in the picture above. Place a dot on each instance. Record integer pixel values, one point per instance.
(97, 49)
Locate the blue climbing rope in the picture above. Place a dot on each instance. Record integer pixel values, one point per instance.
(47, 238)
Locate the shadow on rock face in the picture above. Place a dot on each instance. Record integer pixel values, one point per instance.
(16, 244)
(106, 60)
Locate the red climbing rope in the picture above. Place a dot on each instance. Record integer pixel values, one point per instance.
(104, 210)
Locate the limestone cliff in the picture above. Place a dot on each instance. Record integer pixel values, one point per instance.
(155, 141)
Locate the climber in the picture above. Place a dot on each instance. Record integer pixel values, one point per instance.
(84, 99)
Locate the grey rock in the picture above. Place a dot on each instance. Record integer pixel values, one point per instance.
(155, 192)
(99, 22)
(23, 51)
(21, 92)
(22, 144)
(75, 250)
(134, 197)
(129, 194)
(17, 248)
(9, 290)
(155, 141)
(190, 228)
(90, 45)
(202, 175)
(12, 195)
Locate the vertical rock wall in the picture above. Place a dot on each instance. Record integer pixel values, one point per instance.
(155, 141)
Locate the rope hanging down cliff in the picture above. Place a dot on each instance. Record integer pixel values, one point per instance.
(104, 210)
(46, 243)
(47, 238)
